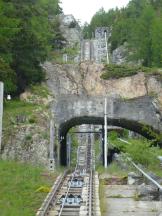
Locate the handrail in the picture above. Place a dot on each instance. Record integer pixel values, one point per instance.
(147, 176)
(144, 173)
(90, 194)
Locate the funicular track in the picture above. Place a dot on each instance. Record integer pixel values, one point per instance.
(73, 193)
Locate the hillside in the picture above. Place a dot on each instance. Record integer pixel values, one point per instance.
(56, 84)
(137, 27)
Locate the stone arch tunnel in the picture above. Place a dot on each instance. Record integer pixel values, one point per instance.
(131, 114)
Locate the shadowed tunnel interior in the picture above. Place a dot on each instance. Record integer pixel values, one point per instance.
(124, 123)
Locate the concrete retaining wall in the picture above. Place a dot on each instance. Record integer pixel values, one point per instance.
(1, 110)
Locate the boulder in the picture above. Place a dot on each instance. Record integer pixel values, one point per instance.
(134, 178)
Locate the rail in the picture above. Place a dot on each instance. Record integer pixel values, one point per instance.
(91, 182)
(143, 172)
(50, 200)
(90, 193)
(63, 204)
(51, 196)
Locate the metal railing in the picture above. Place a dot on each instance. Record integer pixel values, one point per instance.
(90, 193)
(147, 176)
(143, 172)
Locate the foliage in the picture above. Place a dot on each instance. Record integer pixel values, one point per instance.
(73, 24)
(74, 146)
(40, 90)
(102, 198)
(118, 71)
(141, 151)
(8, 76)
(15, 109)
(72, 52)
(97, 149)
(138, 24)
(113, 169)
(19, 194)
(27, 34)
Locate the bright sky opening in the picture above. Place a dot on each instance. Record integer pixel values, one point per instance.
(83, 10)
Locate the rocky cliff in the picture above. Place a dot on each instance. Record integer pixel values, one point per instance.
(85, 79)
(26, 131)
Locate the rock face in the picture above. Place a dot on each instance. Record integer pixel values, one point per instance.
(122, 54)
(134, 179)
(70, 29)
(84, 79)
(119, 55)
(28, 144)
(27, 138)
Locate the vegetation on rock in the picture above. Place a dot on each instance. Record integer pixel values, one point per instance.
(138, 24)
(118, 71)
(140, 150)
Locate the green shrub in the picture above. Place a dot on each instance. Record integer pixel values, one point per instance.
(141, 151)
(73, 24)
(74, 147)
(28, 137)
(40, 90)
(118, 71)
(113, 135)
(8, 76)
(32, 120)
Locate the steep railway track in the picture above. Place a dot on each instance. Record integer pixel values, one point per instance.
(73, 193)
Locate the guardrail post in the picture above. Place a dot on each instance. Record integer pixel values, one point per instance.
(51, 147)
(160, 194)
(68, 150)
(1, 111)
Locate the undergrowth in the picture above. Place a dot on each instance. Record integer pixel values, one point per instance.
(113, 169)
(117, 71)
(20, 185)
(141, 151)
(103, 207)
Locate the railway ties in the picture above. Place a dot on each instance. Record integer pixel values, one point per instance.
(73, 194)
(73, 197)
(76, 203)
(71, 204)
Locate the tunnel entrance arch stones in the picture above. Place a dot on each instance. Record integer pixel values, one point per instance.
(133, 114)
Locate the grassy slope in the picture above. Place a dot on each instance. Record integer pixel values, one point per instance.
(15, 107)
(18, 185)
(31, 111)
(18, 181)
(141, 151)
